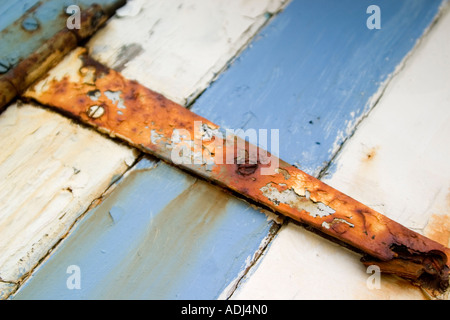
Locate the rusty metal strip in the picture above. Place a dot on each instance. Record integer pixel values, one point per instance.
(100, 97)
(17, 79)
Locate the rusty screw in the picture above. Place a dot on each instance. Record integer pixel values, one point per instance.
(95, 112)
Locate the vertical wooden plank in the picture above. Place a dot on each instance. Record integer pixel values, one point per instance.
(397, 163)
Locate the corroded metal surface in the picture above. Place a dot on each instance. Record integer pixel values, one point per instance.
(50, 51)
(100, 97)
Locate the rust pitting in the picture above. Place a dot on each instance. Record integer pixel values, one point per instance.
(285, 189)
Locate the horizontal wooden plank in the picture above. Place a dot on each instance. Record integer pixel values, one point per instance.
(397, 163)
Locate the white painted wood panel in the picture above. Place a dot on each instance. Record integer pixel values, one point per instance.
(50, 171)
(396, 163)
(179, 46)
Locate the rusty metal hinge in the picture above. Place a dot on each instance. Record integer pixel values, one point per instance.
(101, 97)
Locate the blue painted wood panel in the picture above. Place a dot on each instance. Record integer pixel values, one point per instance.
(312, 72)
(10, 11)
(161, 235)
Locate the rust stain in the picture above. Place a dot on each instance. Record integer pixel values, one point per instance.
(370, 155)
(156, 125)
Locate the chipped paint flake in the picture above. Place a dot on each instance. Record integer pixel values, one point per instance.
(294, 200)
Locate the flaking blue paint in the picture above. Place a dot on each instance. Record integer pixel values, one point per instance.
(135, 246)
(312, 71)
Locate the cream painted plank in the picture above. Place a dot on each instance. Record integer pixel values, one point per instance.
(50, 171)
(178, 47)
(397, 163)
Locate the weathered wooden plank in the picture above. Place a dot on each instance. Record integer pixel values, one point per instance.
(178, 47)
(50, 174)
(397, 163)
(161, 234)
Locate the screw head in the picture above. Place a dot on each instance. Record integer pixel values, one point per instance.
(30, 23)
(95, 112)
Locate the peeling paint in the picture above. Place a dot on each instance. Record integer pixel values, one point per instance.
(296, 201)
(337, 221)
(115, 97)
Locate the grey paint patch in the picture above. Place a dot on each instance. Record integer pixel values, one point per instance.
(127, 53)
